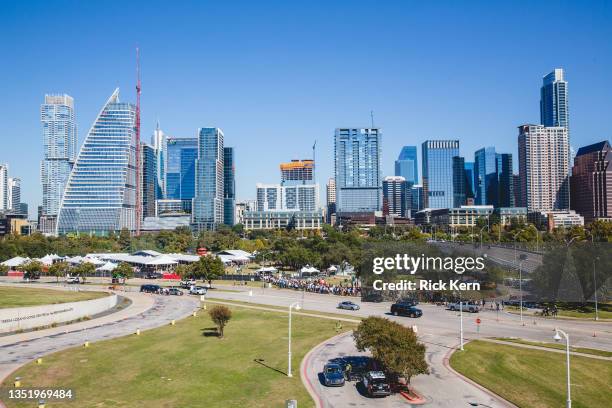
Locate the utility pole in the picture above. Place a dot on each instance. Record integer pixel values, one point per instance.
(138, 154)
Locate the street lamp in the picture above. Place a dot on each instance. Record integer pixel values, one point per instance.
(522, 258)
(461, 324)
(487, 227)
(595, 285)
(297, 307)
(557, 337)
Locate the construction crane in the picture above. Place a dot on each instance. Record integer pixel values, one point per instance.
(138, 154)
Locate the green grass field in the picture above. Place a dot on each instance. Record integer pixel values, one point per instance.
(181, 366)
(533, 378)
(559, 346)
(20, 297)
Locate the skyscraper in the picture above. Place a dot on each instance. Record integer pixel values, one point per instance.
(554, 111)
(460, 182)
(100, 194)
(437, 156)
(396, 195)
(149, 179)
(357, 169)
(181, 155)
(297, 172)
(331, 198)
(470, 175)
(159, 142)
(505, 182)
(59, 149)
(591, 182)
(14, 194)
(485, 168)
(299, 197)
(229, 186)
(416, 199)
(207, 212)
(544, 167)
(4, 191)
(406, 164)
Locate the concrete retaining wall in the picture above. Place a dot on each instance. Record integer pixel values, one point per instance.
(24, 318)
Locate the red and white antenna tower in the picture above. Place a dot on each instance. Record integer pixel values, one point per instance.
(138, 154)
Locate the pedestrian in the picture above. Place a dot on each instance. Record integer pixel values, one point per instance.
(347, 371)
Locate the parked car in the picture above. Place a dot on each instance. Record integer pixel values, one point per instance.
(333, 375)
(73, 280)
(153, 275)
(405, 309)
(150, 288)
(348, 305)
(175, 291)
(376, 384)
(187, 283)
(466, 306)
(197, 290)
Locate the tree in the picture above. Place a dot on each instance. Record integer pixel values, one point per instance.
(123, 271)
(220, 315)
(59, 269)
(3, 269)
(84, 270)
(393, 345)
(183, 271)
(208, 268)
(125, 240)
(32, 269)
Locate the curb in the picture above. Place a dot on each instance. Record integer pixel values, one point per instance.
(446, 363)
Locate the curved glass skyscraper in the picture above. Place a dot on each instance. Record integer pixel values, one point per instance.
(100, 194)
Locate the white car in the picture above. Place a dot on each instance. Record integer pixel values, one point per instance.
(197, 290)
(73, 279)
(466, 306)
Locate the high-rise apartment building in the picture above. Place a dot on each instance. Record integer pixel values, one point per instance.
(554, 111)
(396, 196)
(504, 181)
(357, 169)
(297, 172)
(14, 194)
(149, 179)
(331, 198)
(300, 197)
(207, 212)
(100, 194)
(180, 177)
(406, 164)
(159, 142)
(544, 167)
(229, 186)
(4, 189)
(591, 182)
(437, 156)
(59, 149)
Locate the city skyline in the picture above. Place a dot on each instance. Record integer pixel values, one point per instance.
(305, 110)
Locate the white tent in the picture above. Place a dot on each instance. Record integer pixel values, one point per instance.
(309, 271)
(16, 261)
(48, 259)
(95, 261)
(107, 267)
(161, 260)
(267, 270)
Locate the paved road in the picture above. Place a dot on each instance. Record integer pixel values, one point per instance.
(438, 329)
(145, 312)
(504, 256)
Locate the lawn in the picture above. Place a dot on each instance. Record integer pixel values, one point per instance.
(559, 346)
(186, 366)
(19, 297)
(533, 378)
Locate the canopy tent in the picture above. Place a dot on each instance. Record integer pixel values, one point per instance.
(16, 261)
(48, 259)
(309, 271)
(161, 260)
(332, 269)
(267, 270)
(107, 267)
(95, 261)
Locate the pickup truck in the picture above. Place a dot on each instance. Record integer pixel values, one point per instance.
(466, 306)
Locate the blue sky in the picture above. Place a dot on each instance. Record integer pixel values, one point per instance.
(275, 76)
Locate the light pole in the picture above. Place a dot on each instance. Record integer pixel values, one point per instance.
(556, 337)
(522, 258)
(487, 227)
(295, 305)
(595, 284)
(461, 324)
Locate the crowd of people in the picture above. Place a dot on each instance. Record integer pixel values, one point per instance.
(315, 285)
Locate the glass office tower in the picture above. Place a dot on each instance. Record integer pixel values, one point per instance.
(470, 174)
(207, 212)
(437, 158)
(554, 111)
(459, 182)
(406, 164)
(485, 168)
(229, 186)
(181, 155)
(149, 179)
(100, 194)
(59, 149)
(357, 169)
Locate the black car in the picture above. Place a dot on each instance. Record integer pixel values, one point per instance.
(376, 384)
(405, 309)
(150, 288)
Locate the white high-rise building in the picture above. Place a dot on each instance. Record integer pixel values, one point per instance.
(59, 149)
(160, 144)
(4, 190)
(544, 167)
(301, 197)
(14, 193)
